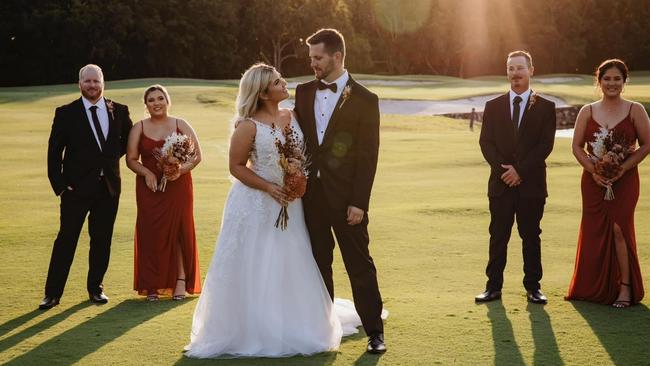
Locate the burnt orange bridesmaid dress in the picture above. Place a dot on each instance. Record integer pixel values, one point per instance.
(596, 276)
(165, 225)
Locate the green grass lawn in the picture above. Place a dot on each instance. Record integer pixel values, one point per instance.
(428, 230)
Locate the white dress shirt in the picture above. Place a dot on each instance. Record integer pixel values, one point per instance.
(522, 104)
(102, 115)
(324, 104)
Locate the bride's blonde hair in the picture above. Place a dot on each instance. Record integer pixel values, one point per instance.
(254, 81)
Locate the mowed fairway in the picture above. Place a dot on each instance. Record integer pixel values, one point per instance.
(428, 227)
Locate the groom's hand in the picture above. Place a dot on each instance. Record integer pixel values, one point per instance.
(510, 177)
(355, 215)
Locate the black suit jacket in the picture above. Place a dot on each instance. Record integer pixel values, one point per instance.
(526, 148)
(74, 157)
(347, 158)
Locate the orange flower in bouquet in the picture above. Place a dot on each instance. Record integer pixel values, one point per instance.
(293, 162)
(176, 150)
(610, 149)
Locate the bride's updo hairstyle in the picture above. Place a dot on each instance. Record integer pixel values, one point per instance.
(254, 81)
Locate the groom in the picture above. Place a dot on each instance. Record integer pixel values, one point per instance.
(88, 138)
(516, 138)
(340, 121)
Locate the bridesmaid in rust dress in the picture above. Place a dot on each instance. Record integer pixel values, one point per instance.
(166, 259)
(607, 266)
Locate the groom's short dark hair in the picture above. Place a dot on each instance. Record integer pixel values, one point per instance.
(330, 38)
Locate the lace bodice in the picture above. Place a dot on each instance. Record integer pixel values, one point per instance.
(264, 158)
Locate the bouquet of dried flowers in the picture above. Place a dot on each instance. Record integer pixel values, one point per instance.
(176, 150)
(293, 161)
(609, 150)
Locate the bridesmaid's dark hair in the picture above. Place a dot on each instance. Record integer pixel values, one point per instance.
(330, 38)
(608, 64)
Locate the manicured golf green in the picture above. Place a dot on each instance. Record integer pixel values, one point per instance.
(428, 227)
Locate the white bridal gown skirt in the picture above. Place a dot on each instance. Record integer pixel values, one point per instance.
(263, 295)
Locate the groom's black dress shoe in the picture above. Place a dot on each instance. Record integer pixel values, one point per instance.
(488, 295)
(536, 297)
(99, 298)
(376, 343)
(48, 302)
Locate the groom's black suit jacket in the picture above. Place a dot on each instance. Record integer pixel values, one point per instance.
(347, 162)
(525, 148)
(347, 158)
(83, 160)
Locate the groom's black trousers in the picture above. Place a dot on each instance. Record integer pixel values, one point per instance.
(528, 212)
(101, 208)
(353, 242)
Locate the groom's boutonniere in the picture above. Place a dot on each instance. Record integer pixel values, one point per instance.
(347, 91)
(110, 107)
(532, 99)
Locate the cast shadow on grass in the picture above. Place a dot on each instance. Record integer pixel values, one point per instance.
(74, 344)
(43, 325)
(624, 333)
(506, 350)
(546, 349)
(9, 325)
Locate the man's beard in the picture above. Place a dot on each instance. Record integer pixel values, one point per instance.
(324, 72)
(87, 95)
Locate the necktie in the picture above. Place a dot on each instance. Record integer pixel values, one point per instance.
(323, 86)
(98, 128)
(515, 111)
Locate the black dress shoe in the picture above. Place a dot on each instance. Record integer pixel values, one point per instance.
(488, 295)
(48, 302)
(536, 297)
(376, 343)
(98, 298)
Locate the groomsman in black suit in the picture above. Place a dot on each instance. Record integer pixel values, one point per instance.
(340, 120)
(88, 138)
(517, 136)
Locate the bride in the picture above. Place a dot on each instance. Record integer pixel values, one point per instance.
(263, 295)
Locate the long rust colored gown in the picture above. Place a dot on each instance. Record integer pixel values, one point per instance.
(597, 277)
(164, 224)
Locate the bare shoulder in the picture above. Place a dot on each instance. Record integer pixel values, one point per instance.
(639, 114)
(585, 111)
(137, 128)
(182, 123)
(285, 112)
(245, 126)
(637, 107)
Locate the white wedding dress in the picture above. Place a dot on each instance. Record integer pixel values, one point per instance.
(263, 295)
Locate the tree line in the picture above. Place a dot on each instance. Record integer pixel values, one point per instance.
(47, 41)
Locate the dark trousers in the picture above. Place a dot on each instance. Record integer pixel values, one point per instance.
(528, 212)
(101, 208)
(353, 242)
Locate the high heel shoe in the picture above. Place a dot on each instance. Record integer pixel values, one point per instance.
(622, 304)
(179, 297)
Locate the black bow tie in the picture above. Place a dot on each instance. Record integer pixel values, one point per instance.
(323, 86)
